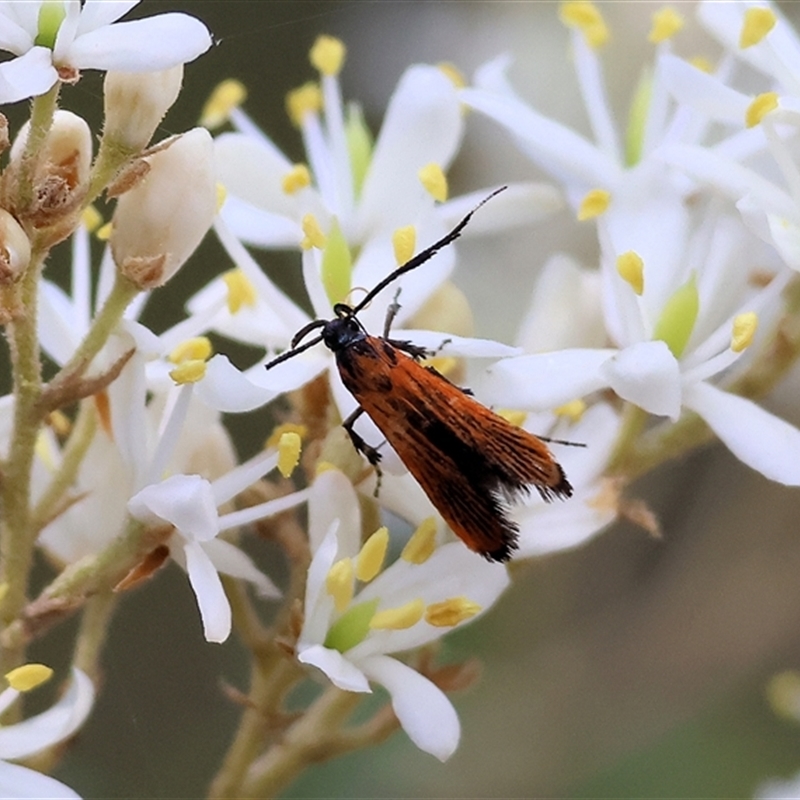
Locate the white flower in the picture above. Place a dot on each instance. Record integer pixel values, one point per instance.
(350, 636)
(55, 40)
(37, 733)
(778, 789)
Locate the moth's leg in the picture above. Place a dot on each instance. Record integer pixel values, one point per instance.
(371, 453)
(414, 350)
(391, 313)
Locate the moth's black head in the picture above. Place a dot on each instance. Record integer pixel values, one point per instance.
(343, 331)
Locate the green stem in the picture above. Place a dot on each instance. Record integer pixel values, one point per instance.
(111, 157)
(313, 738)
(93, 631)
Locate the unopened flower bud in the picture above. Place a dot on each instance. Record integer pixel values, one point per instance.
(159, 222)
(15, 249)
(135, 103)
(62, 166)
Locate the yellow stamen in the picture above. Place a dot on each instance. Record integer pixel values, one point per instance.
(573, 410)
(453, 73)
(227, 96)
(450, 613)
(192, 349)
(189, 372)
(339, 583)
(422, 543)
(432, 177)
(45, 451)
(744, 329)
(91, 218)
(103, 233)
(306, 99)
(631, 269)
(222, 196)
(666, 23)
(586, 17)
(513, 416)
(327, 55)
(702, 63)
(404, 241)
(59, 422)
(398, 619)
(760, 107)
(444, 365)
(783, 693)
(594, 203)
(297, 178)
(288, 453)
(241, 291)
(758, 22)
(314, 237)
(28, 677)
(373, 552)
(287, 427)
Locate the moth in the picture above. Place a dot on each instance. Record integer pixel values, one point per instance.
(471, 463)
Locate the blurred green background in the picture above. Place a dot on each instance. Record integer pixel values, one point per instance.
(631, 668)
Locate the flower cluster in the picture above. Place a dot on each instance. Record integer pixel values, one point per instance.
(121, 461)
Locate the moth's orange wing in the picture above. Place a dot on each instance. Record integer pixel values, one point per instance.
(468, 460)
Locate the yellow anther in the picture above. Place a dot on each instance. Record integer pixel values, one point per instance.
(594, 203)
(287, 427)
(45, 451)
(631, 269)
(103, 233)
(760, 107)
(444, 365)
(783, 694)
(404, 241)
(432, 177)
(306, 99)
(91, 218)
(227, 96)
(60, 423)
(327, 55)
(339, 583)
(398, 619)
(28, 676)
(666, 23)
(241, 291)
(744, 329)
(587, 18)
(422, 543)
(297, 178)
(222, 196)
(453, 73)
(314, 237)
(516, 418)
(450, 613)
(289, 448)
(702, 63)
(573, 410)
(758, 22)
(189, 372)
(370, 559)
(192, 349)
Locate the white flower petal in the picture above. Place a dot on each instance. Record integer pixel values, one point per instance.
(59, 722)
(318, 605)
(230, 560)
(334, 498)
(28, 75)
(22, 783)
(424, 711)
(258, 227)
(448, 344)
(215, 611)
(422, 125)
(227, 389)
(544, 381)
(648, 375)
(99, 13)
(143, 45)
(759, 439)
(15, 37)
(340, 671)
(185, 501)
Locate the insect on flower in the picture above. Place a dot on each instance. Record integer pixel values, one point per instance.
(470, 462)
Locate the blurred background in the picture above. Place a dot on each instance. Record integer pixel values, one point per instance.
(633, 667)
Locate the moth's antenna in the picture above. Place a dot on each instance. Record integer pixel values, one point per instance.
(296, 350)
(425, 255)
